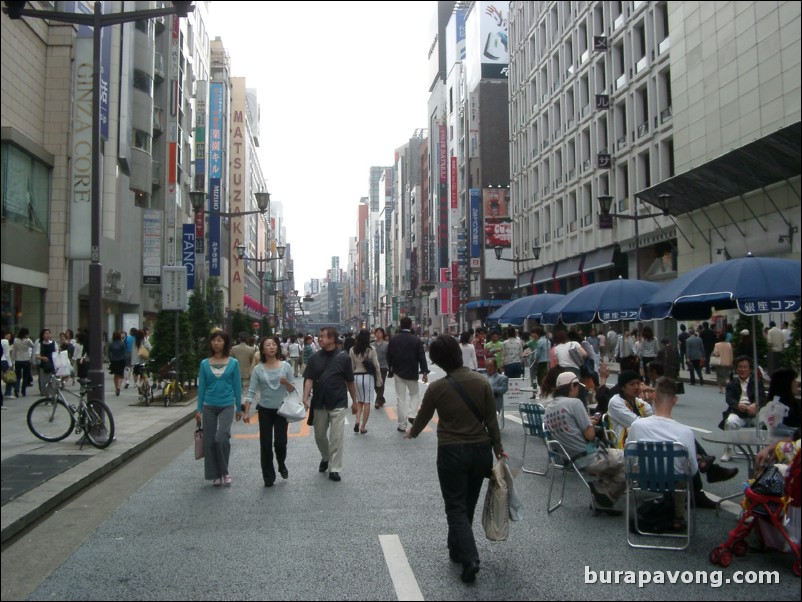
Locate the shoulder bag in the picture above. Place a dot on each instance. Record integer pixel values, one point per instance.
(370, 367)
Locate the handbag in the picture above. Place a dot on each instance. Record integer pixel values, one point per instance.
(199, 442)
(496, 512)
(292, 410)
(715, 361)
(370, 367)
(576, 357)
(9, 377)
(144, 354)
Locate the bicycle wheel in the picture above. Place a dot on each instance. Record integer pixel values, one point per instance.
(167, 394)
(98, 424)
(50, 419)
(145, 393)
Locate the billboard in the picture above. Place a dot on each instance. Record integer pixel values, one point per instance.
(488, 54)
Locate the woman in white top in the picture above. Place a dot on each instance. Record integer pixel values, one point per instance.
(273, 379)
(468, 351)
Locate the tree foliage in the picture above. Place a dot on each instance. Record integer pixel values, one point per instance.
(215, 303)
(163, 342)
(745, 323)
(791, 356)
(200, 324)
(240, 323)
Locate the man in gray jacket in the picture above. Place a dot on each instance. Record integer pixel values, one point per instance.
(695, 352)
(405, 358)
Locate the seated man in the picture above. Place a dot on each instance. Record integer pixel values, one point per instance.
(622, 412)
(498, 382)
(661, 427)
(740, 397)
(567, 421)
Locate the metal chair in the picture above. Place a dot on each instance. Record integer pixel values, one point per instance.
(609, 432)
(532, 421)
(650, 467)
(560, 461)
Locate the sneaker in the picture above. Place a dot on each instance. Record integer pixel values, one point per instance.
(217, 483)
(401, 429)
(334, 476)
(727, 455)
(227, 480)
(469, 570)
(324, 466)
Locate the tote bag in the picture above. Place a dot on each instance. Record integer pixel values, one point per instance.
(291, 408)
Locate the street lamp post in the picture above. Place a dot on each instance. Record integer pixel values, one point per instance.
(663, 202)
(97, 21)
(535, 253)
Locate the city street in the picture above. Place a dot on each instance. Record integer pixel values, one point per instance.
(380, 533)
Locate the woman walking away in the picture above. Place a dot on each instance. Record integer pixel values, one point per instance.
(273, 379)
(367, 375)
(117, 360)
(723, 351)
(219, 394)
(380, 346)
(464, 446)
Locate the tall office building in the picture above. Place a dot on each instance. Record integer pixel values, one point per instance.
(695, 103)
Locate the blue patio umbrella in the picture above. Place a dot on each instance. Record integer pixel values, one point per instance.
(516, 312)
(753, 285)
(606, 301)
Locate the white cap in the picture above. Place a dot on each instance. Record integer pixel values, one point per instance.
(744, 332)
(566, 378)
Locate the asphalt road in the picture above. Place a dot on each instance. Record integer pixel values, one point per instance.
(377, 535)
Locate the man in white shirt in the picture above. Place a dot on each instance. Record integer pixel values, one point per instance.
(776, 341)
(661, 427)
(626, 406)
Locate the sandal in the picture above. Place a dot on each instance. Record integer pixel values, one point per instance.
(356, 427)
(364, 431)
(678, 524)
(217, 482)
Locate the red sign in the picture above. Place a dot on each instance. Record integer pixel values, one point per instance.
(453, 182)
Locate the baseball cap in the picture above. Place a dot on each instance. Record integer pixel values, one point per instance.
(744, 332)
(627, 376)
(566, 378)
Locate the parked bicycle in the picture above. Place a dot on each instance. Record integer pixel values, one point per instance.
(53, 419)
(145, 386)
(173, 391)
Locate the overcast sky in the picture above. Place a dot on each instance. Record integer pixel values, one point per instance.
(341, 85)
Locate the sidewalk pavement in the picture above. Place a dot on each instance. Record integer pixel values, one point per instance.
(38, 476)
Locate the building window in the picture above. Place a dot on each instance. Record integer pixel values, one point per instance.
(143, 82)
(142, 141)
(26, 189)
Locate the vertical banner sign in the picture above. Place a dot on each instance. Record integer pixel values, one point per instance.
(476, 222)
(215, 153)
(454, 287)
(188, 253)
(444, 309)
(81, 164)
(236, 189)
(442, 198)
(454, 204)
(151, 246)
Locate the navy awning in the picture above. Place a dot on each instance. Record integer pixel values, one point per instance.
(543, 274)
(569, 267)
(602, 258)
(486, 303)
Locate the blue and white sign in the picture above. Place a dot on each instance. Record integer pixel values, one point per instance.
(188, 253)
(476, 222)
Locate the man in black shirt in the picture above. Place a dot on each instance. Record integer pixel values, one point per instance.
(330, 374)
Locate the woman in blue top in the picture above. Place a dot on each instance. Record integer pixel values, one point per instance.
(273, 378)
(219, 393)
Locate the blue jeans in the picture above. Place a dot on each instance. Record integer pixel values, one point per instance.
(461, 470)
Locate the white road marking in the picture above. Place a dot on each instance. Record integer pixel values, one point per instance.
(406, 586)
